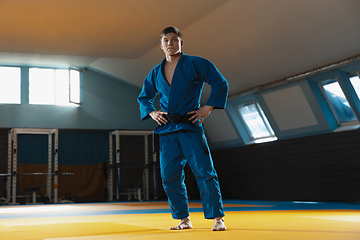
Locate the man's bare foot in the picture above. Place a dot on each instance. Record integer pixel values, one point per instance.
(184, 224)
(219, 224)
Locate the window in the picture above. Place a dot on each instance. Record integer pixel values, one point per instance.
(74, 86)
(337, 101)
(355, 81)
(256, 122)
(54, 87)
(10, 85)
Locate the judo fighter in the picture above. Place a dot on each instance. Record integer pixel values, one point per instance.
(179, 80)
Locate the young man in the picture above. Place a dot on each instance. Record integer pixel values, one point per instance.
(179, 81)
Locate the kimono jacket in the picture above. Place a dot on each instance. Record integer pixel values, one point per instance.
(184, 93)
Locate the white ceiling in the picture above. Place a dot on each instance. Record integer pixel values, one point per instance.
(252, 42)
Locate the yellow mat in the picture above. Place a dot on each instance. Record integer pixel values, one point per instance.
(279, 225)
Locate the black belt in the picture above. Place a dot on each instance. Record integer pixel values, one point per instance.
(177, 118)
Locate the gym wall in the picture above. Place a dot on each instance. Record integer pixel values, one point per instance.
(315, 168)
(108, 103)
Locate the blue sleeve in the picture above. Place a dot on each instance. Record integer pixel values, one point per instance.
(219, 86)
(147, 96)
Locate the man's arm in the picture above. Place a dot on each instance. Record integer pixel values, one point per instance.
(219, 86)
(147, 96)
(219, 90)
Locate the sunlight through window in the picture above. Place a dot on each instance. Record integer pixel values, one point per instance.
(355, 81)
(52, 86)
(62, 87)
(256, 122)
(75, 96)
(337, 101)
(10, 85)
(41, 86)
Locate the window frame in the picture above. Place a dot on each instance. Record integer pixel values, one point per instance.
(20, 86)
(80, 86)
(351, 75)
(349, 123)
(270, 137)
(71, 103)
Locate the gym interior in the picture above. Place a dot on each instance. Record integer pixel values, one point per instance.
(86, 167)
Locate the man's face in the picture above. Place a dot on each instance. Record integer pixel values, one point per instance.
(171, 44)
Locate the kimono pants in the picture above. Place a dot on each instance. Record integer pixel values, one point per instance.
(175, 150)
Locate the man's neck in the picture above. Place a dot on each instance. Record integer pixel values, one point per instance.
(173, 58)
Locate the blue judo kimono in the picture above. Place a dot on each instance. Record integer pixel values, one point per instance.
(183, 142)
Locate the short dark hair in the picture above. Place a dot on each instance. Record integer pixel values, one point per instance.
(171, 29)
